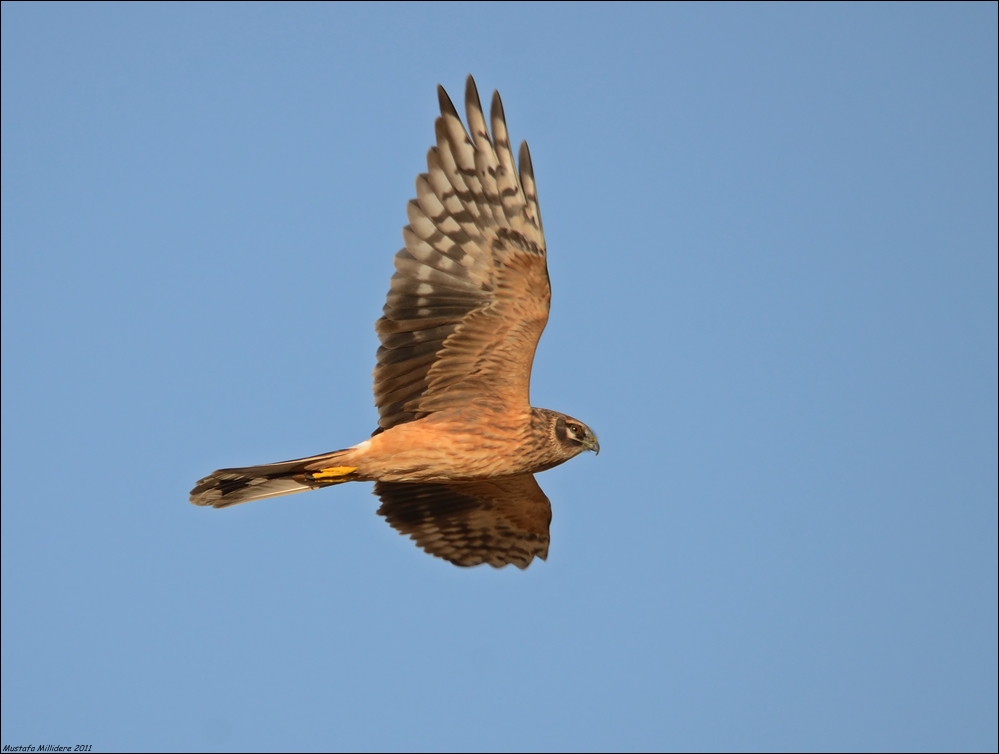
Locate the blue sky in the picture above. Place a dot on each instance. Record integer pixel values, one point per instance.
(772, 237)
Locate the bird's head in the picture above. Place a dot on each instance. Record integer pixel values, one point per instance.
(572, 436)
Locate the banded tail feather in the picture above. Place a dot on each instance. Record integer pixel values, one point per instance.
(226, 487)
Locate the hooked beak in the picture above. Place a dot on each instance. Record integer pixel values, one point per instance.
(593, 445)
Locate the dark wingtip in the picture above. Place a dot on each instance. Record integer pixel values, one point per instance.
(496, 109)
(471, 91)
(447, 106)
(524, 158)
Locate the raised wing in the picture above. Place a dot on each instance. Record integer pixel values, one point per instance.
(497, 521)
(470, 295)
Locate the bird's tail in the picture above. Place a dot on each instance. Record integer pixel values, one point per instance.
(226, 487)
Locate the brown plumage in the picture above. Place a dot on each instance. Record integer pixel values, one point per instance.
(457, 442)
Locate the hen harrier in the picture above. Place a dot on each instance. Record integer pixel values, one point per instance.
(458, 443)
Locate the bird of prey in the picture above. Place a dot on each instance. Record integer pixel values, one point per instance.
(458, 443)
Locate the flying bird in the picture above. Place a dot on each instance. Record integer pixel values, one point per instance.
(458, 443)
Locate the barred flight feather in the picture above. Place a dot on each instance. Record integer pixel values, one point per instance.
(473, 244)
(499, 522)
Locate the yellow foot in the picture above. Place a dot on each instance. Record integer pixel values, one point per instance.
(333, 472)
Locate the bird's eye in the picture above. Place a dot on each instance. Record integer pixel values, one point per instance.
(575, 429)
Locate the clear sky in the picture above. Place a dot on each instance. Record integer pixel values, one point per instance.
(772, 236)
